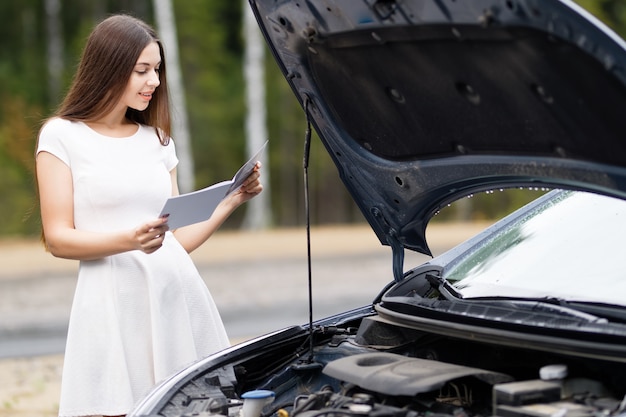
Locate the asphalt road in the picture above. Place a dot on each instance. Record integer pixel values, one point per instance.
(258, 280)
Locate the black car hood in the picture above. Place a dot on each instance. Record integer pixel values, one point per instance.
(420, 102)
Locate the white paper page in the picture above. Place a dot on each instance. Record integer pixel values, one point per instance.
(194, 207)
(245, 170)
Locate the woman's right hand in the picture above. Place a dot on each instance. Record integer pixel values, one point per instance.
(149, 236)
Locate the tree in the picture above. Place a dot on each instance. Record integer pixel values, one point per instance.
(258, 211)
(180, 130)
(54, 48)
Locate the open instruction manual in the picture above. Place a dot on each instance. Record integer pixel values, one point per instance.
(197, 206)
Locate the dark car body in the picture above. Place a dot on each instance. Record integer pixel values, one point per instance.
(420, 103)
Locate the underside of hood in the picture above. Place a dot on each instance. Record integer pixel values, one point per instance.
(421, 102)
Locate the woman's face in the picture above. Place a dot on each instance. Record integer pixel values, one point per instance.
(144, 79)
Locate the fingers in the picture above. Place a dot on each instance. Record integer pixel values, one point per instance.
(253, 188)
(149, 237)
(252, 184)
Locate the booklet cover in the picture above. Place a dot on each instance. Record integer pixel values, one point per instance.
(197, 206)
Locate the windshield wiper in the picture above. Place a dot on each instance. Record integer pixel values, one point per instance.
(554, 305)
(610, 311)
(545, 305)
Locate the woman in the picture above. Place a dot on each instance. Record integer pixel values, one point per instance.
(105, 167)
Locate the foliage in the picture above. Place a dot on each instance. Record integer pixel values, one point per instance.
(211, 49)
(19, 214)
(611, 12)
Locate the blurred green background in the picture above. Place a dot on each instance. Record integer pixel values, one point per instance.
(211, 50)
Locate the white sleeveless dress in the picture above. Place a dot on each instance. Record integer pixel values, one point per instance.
(136, 318)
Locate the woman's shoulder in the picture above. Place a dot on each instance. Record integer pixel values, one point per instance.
(146, 129)
(57, 125)
(156, 133)
(53, 137)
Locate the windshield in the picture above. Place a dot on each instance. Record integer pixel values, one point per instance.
(571, 247)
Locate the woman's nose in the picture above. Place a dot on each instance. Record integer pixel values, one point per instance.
(154, 81)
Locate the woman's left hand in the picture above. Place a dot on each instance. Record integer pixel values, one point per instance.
(250, 188)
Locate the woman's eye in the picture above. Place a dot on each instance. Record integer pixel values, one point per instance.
(144, 72)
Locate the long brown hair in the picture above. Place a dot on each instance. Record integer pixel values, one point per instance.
(106, 65)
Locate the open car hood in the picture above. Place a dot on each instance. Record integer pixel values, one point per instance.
(421, 102)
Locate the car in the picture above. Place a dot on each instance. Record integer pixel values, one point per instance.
(421, 103)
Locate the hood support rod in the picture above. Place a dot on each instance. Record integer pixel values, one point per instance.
(308, 364)
(305, 166)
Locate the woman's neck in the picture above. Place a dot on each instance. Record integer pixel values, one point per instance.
(113, 126)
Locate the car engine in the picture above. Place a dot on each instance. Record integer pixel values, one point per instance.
(396, 386)
(383, 370)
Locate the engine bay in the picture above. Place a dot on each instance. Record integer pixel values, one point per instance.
(378, 369)
(450, 390)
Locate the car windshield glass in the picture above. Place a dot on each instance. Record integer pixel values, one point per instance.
(570, 247)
